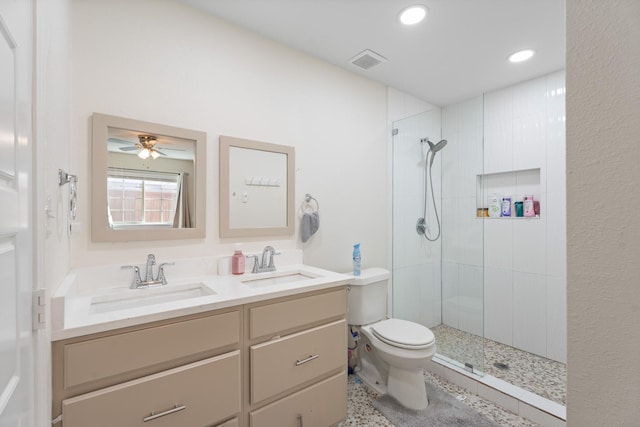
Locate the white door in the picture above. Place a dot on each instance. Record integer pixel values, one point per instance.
(16, 256)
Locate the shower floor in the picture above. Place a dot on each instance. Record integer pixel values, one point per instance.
(544, 377)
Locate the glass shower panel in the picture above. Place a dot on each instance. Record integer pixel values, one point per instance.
(440, 284)
(460, 336)
(416, 261)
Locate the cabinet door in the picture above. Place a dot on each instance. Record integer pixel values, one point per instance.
(195, 395)
(283, 363)
(321, 405)
(271, 319)
(103, 357)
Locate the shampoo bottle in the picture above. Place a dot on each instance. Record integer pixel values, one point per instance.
(357, 258)
(494, 207)
(528, 206)
(506, 206)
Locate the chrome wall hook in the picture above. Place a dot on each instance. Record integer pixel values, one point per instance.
(72, 180)
(66, 178)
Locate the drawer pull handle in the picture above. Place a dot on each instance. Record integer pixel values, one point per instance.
(308, 359)
(300, 421)
(173, 410)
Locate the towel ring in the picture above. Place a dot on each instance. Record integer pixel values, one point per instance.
(308, 198)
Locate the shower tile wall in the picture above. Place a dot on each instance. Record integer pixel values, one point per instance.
(416, 262)
(524, 259)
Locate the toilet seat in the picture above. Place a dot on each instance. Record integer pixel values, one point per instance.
(403, 334)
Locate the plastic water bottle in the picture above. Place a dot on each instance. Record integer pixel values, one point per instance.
(357, 258)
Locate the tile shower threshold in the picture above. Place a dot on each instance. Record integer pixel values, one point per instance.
(510, 397)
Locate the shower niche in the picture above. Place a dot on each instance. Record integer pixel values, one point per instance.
(514, 184)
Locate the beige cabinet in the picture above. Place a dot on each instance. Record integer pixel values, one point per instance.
(104, 357)
(297, 361)
(319, 405)
(184, 371)
(279, 362)
(194, 395)
(283, 363)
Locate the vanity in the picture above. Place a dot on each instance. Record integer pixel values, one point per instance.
(202, 348)
(265, 349)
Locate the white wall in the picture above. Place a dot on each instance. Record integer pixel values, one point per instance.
(603, 239)
(164, 62)
(524, 259)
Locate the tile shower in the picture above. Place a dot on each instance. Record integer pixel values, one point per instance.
(493, 280)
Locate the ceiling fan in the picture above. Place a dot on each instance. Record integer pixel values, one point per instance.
(146, 145)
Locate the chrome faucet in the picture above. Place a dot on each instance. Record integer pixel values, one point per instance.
(267, 263)
(151, 261)
(136, 279)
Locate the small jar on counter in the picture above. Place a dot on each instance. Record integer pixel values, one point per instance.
(237, 262)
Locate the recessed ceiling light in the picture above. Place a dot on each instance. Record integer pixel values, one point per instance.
(521, 55)
(413, 14)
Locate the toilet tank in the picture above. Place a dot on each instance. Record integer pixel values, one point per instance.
(367, 300)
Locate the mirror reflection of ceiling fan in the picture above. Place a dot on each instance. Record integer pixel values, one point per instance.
(146, 145)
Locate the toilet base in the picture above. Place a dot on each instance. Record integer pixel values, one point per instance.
(407, 387)
(371, 370)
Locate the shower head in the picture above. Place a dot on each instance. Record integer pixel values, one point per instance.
(434, 148)
(437, 147)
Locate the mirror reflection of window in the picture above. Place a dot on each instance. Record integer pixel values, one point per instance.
(138, 198)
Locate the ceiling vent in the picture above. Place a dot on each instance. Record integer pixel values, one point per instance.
(367, 59)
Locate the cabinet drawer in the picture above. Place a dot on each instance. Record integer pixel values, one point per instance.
(321, 405)
(112, 355)
(273, 318)
(194, 395)
(283, 363)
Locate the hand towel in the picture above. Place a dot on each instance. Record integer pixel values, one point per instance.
(309, 225)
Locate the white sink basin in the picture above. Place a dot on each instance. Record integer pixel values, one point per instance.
(131, 298)
(276, 278)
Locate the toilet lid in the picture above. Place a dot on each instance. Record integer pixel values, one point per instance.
(403, 334)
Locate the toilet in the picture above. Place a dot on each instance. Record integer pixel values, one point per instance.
(392, 353)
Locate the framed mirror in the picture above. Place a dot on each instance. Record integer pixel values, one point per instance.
(257, 188)
(148, 181)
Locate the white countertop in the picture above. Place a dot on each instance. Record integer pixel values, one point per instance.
(71, 303)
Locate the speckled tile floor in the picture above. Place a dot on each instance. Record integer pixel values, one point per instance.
(539, 375)
(360, 411)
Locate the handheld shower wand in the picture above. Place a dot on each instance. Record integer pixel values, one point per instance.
(434, 148)
(421, 225)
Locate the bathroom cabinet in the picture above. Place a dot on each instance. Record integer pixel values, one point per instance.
(280, 361)
(296, 359)
(183, 371)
